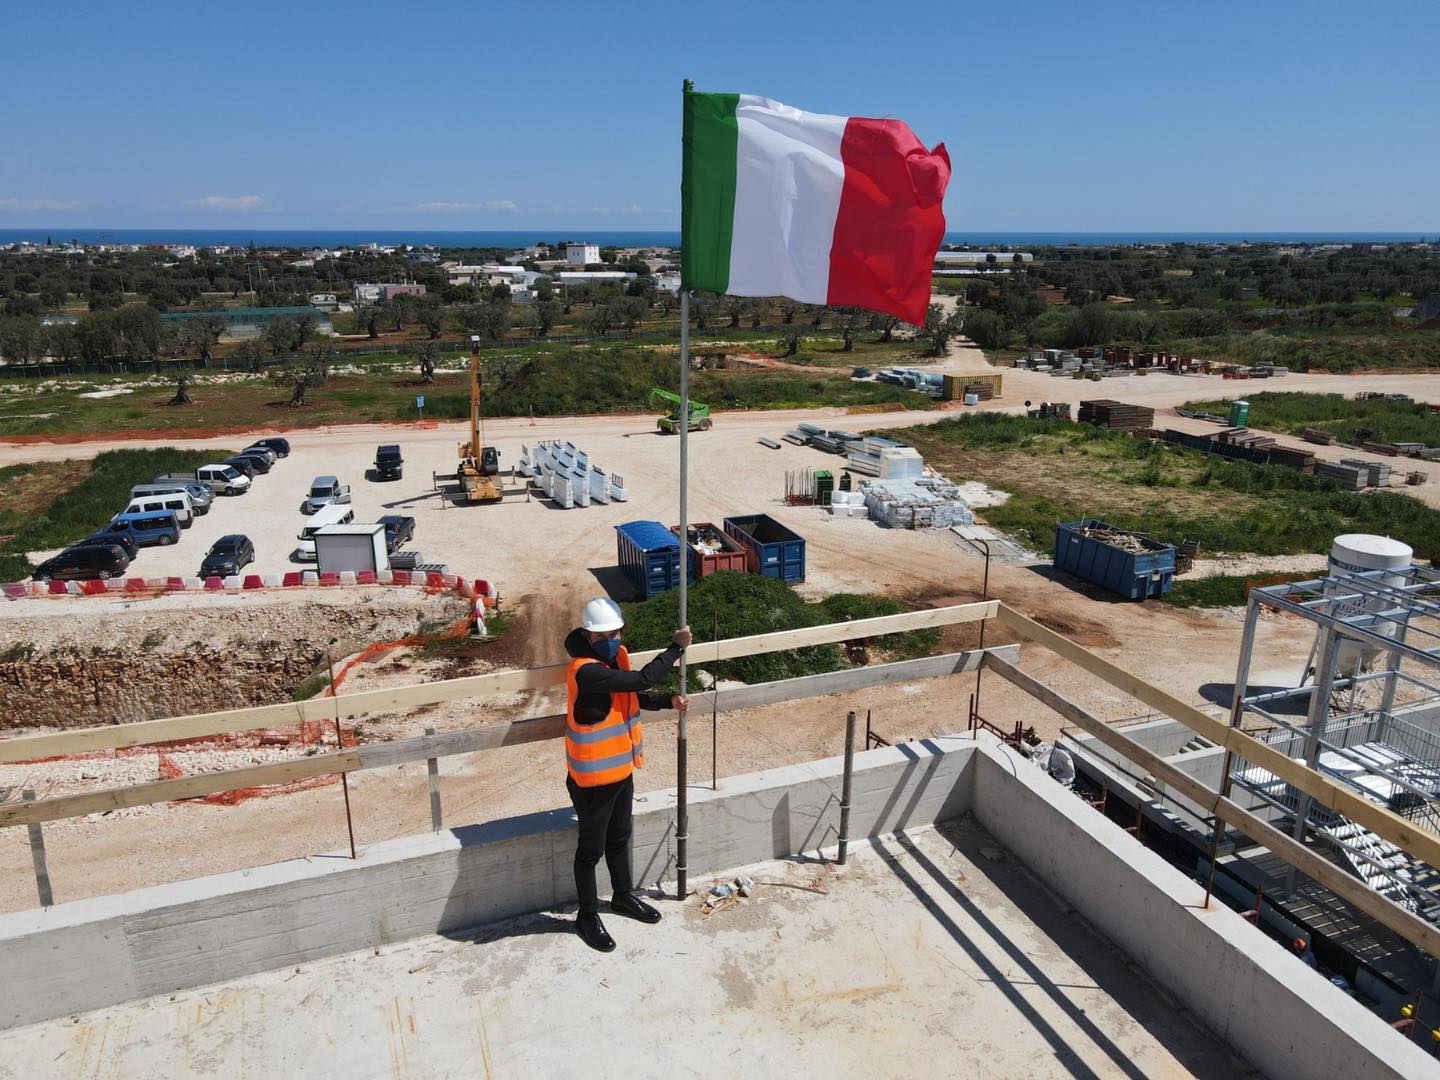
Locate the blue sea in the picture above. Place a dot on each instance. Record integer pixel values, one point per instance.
(516, 238)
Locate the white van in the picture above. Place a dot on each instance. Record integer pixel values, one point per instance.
(177, 502)
(224, 479)
(334, 514)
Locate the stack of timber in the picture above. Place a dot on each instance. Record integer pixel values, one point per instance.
(1348, 475)
(1317, 436)
(1377, 474)
(1116, 415)
(1293, 457)
(1240, 436)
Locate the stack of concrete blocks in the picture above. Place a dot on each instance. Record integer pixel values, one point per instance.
(848, 504)
(901, 463)
(923, 503)
(599, 485)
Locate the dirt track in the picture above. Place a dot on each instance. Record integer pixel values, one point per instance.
(548, 561)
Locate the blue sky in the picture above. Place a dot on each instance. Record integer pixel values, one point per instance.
(1058, 116)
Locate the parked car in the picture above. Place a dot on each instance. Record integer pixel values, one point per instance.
(147, 529)
(324, 490)
(83, 563)
(279, 445)
(244, 468)
(389, 465)
(228, 555)
(331, 514)
(398, 530)
(177, 502)
(123, 539)
(201, 497)
(264, 451)
(258, 462)
(221, 479)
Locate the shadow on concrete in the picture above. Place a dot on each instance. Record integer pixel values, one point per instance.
(1087, 589)
(1221, 693)
(1099, 960)
(613, 580)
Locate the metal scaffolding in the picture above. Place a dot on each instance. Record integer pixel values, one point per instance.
(1368, 723)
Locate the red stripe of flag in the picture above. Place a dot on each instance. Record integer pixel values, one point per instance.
(891, 220)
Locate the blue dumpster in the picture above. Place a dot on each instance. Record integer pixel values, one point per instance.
(649, 555)
(1135, 575)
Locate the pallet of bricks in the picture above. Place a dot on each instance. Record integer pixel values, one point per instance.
(1116, 415)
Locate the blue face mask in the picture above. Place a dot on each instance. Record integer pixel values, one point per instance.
(608, 648)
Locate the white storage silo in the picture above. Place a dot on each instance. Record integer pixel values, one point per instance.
(1357, 553)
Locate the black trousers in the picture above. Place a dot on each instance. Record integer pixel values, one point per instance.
(604, 814)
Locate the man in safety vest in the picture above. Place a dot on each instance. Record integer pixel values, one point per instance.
(604, 745)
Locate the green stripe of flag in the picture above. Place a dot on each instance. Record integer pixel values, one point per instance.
(707, 190)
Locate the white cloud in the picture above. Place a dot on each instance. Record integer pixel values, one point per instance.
(507, 206)
(228, 202)
(9, 203)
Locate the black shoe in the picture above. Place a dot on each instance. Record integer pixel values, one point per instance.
(594, 934)
(632, 907)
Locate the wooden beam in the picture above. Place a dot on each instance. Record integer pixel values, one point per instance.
(389, 699)
(470, 740)
(1408, 926)
(1406, 835)
(186, 787)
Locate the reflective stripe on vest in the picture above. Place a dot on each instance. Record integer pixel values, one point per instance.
(607, 752)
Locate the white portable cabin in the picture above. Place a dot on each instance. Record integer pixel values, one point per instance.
(357, 546)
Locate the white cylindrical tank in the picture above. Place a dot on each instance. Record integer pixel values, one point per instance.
(1356, 553)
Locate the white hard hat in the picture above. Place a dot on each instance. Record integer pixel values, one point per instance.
(602, 615)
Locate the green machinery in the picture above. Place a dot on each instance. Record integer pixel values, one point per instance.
(699, 414)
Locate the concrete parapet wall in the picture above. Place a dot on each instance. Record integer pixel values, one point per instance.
(93, 953)
(1283, 1017)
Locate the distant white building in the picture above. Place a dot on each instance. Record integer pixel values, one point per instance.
(667, 283)
(980, 258)
(582, 254)
(365, 293)
(484, 274)
(594, 277)
(324, 301)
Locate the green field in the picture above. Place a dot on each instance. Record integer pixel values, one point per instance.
(539, 380)
(1058, 471)
(1388, 421)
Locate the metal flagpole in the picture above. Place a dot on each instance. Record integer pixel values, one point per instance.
(682, 816)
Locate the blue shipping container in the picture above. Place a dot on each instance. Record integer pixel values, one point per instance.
(771, 549)
(1135, 575)
(649, 556)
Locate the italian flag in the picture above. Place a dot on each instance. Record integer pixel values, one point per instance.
(822, 209)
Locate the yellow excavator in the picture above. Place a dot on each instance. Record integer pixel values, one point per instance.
(479, 464)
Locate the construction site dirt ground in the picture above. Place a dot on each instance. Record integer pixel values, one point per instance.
(930, 947)
(548, 561)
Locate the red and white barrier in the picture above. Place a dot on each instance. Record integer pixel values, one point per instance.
(292, 579)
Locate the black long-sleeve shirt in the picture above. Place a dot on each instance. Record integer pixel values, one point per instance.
(596, 682)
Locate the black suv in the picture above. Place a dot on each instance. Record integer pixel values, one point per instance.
(280, 446)
(123, 540)
(398, 530)
(228, 556)
(388, 463)
(83, 564)
(259, 463)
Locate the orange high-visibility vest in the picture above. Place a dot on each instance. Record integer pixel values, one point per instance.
(607, 752)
